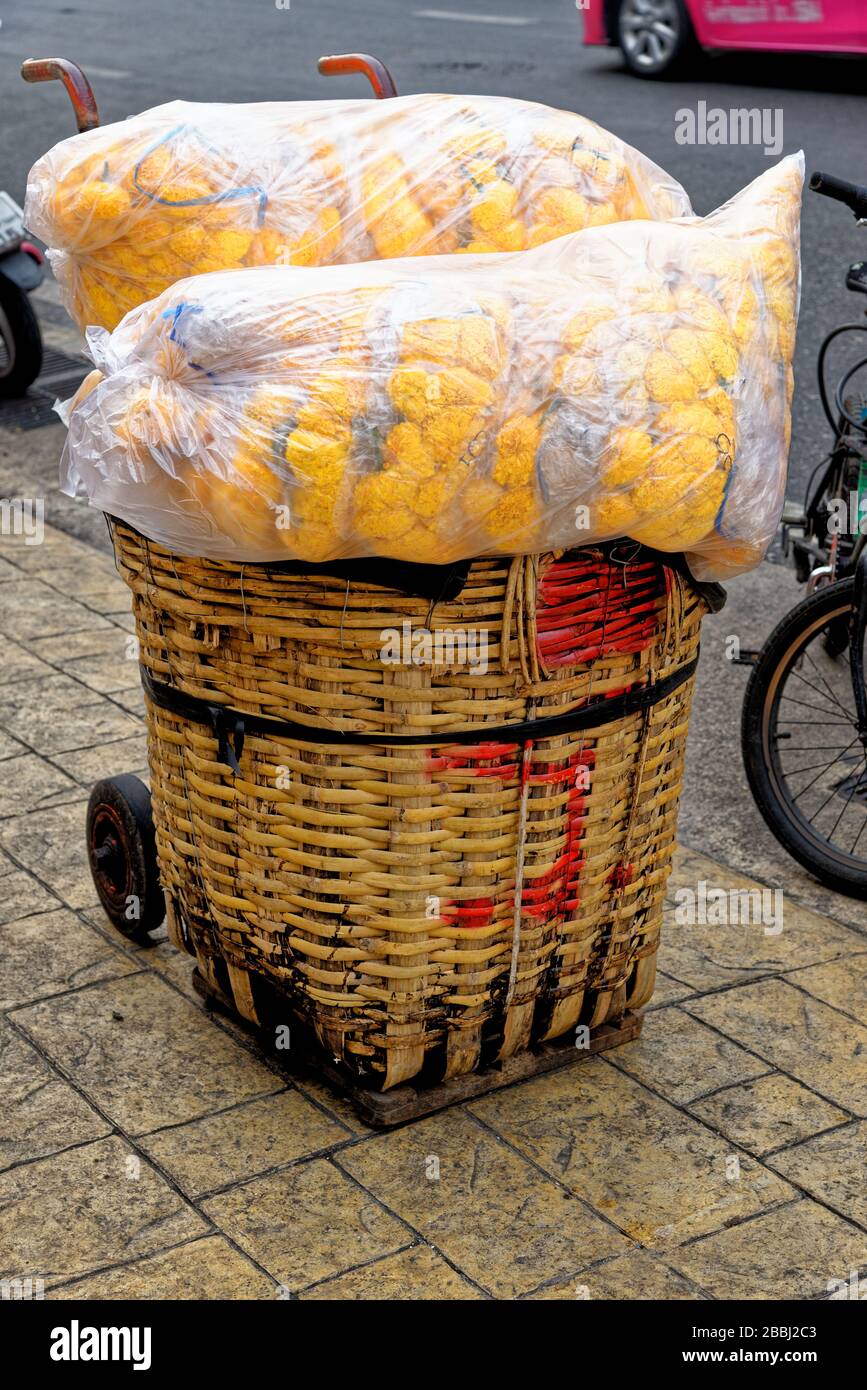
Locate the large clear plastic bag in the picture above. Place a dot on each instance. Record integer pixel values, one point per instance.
(631, 380)
(187, 188)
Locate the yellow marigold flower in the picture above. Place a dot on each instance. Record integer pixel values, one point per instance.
(517, 443)
(330, 234)
(601, 215)
(720, 402)
(381, 524)
(313, 543)
(155, 168)
(178, 196)
(480, 345)
(414, 392)
(629, 456)
(686, 345)
(188, 243)
(695, 417)
(460, 387)
(432, 340)
(562, 205)
(511, 236)
(479, 497)
(434, 495)
(721, 352)
(667, 379)
(304, 450)
(613, 516)
(229, 247)
(121, 257)
(165, 267)
(101, 202)
(590, 317)
(421, 545)
(405, 449)
(261, 478)
(514, 518)
(690, 520)
(494, 206)
(692, 303)
(269, 247)
(478, 247)
(543, 232)
(683, 458)
(452, 435)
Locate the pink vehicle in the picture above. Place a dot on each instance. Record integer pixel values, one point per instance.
(656, 36)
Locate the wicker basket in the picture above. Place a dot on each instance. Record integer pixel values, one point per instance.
(461, 857)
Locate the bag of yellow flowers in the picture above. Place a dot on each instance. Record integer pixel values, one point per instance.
(630, 380)
(187, 188)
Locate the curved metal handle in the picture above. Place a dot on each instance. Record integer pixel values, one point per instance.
(70, 74)
(373, 69)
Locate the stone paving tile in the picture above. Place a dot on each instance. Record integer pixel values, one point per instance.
(490, 1213)
(41, 1112)
(33, 609)
(10, 747)
(243, 1142)
(51, 844)
(769, 1113)
(656, 1172)
(56, 548)
(638, 1275)
(832, 1168)
(105, 659)
(207, 1268)
(709, 956)
(306, 1223)
(29, 783)
(796, 1251)
(667, 990)
(840, 983)
(89, 765)
(55, 714)
(417, 1273)
(825, 1049)
(145, 1055)
(51, 953)
(75, 1212)
(682, 1059)
(21, 895)
(19, 663)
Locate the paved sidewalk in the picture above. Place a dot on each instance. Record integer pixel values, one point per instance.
(149, 1149)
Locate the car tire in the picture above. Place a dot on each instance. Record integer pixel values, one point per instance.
(655, 36)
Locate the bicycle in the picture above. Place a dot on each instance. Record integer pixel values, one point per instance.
(806, 694)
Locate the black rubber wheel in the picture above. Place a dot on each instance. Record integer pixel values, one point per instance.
(800, 690)
(20, 341)
(656, 37)
(121, 847)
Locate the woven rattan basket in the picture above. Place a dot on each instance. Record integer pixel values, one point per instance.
(438, 862)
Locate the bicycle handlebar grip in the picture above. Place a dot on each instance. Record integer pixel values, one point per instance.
(70, 74)
(852, 194)
(373, 69)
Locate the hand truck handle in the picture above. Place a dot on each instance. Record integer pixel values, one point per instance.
(75, 82)
(375, 71)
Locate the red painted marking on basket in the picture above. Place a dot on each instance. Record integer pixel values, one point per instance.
(620, 876)
(557, 891)
(475, 912)
(589, 607)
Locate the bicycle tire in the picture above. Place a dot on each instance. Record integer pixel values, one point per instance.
(830, 866)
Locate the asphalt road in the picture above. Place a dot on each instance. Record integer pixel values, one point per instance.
(142, 52)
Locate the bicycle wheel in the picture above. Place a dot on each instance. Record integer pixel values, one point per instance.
(805, 762)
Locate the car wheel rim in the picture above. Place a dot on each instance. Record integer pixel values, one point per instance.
(649, 31)
(7, 346)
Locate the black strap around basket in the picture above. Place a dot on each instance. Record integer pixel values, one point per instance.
(231, 726)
